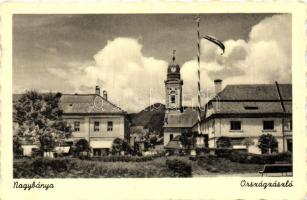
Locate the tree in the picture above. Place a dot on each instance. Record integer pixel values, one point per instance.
(187, 139)
(126, 147)
(40, 119)
(223, 142)
(267, 143)
(47, 140)
(82, 145)
(117, 146)
(153, 140)
(17, 149)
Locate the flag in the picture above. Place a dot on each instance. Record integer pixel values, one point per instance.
(215, 41)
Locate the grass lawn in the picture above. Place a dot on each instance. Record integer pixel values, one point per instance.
(222, 166)
(76, 168)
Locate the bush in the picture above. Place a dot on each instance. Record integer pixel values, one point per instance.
(179, 167)
(120, 145)
(82, 145)
(202, 151)
(118, 158)
(223, 152)
(37, 153)
(41, 167)
(243, 157)
(267, 143)
(17, 149)
(223, 142)
(76, 168)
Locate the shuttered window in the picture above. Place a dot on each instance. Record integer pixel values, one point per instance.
(76, 126)
(96, 126)
(110, 126)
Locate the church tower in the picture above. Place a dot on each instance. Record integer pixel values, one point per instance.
(173, 87)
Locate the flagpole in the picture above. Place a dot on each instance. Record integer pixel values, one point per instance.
(221, 45)
(198, 82)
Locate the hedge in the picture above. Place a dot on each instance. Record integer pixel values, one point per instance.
(243, 157)
(116, 158)
(76, 168)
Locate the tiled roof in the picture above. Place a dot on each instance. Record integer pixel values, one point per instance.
(87, 103)
(257, 92)
(187, 118)
(251, 107)
(254, 99)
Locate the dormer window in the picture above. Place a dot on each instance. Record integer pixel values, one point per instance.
(251, 107)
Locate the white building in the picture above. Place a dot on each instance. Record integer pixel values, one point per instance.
(248, 111)
(237, 112)
(95, 119)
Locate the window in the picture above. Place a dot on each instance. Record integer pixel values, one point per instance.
(171, 136)
(96, 126)
(110, 126)
(76, 126)
(173, 99)
(268, 125)
(235, 125)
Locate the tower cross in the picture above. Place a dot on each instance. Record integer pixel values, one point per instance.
(174, 52)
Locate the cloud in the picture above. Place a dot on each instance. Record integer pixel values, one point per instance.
(264, 58)
(52, 50)
(132, 80)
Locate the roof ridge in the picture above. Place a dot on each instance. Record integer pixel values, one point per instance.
(76, 94)
(108, 101)
(258, 84)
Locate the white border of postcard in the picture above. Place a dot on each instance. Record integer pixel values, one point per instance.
(157, 188)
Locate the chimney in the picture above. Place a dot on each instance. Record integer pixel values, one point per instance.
(105, 95)
(218, 86)
(97, 90)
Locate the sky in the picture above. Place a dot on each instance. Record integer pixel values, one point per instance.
(127, 55)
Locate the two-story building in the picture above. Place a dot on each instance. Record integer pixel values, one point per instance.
(248, 111)
(94, 118)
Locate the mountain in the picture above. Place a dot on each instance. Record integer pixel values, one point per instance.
(151, 117)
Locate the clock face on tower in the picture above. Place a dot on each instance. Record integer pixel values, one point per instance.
(173, 69)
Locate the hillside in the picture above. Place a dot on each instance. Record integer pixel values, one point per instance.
(151, 117)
